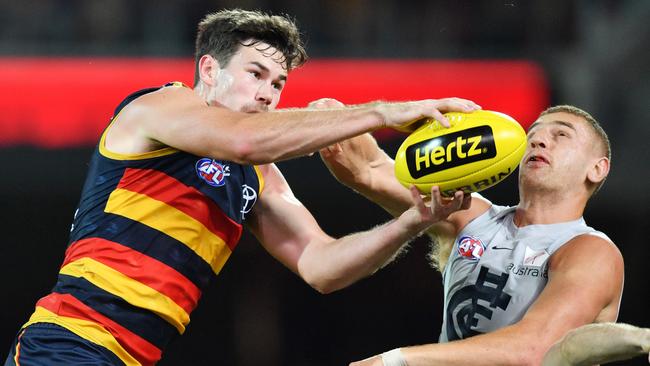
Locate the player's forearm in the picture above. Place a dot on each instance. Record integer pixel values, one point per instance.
(331, 266)
(514, 345)
(382, 188)
(437, 355)
(598, 343)
(284, 134)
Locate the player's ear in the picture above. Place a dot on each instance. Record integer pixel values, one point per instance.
(208, 69)
(598, 170)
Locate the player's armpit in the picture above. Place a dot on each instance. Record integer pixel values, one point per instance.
(362, 165)
(281, 222)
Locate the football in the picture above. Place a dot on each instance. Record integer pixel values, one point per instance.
(479, 150)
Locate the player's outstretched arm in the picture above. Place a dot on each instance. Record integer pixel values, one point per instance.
(362, 165)
(594, 344)
(178, 117)
(290, 233)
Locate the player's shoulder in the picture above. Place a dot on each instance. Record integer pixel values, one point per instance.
(592, 241)
(162, 97)
(479, 206)
(595, 265)
(590, 248)
(152, 106)
(133, 117)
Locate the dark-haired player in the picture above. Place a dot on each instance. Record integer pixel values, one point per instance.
(176, 176)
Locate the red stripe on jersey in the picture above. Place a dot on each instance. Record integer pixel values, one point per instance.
(189, 200)
(139, 267)
(69, 306)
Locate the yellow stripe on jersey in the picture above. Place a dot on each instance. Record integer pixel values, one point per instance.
(88, 330)
(260, 178)
(132, 291)
(17, 350)
(119, 156)
(178, 84)
(173, 222)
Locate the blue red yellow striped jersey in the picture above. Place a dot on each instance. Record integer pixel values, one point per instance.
(150, 232)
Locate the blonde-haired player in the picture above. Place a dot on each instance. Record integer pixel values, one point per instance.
(543, 271)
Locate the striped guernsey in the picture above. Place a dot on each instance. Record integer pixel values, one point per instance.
(150, 232)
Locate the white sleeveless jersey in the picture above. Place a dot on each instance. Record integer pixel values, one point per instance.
(496, 270)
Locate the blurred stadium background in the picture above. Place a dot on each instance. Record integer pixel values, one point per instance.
(65, 64)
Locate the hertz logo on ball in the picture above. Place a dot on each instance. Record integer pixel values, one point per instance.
(479, 150)
(451, 150)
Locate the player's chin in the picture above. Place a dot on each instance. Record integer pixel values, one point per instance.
(534, 172)
(532, 179)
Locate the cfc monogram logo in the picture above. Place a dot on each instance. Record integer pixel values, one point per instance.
(464, 308)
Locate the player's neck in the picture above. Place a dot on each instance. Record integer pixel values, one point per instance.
(544, 208)
(202, 90)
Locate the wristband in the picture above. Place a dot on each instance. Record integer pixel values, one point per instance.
(393, 358)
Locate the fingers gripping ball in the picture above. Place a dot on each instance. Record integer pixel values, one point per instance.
(479, 150)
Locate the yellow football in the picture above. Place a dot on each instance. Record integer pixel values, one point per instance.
(479, 150)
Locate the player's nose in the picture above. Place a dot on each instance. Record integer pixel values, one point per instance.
(538, 140)
(265, 94)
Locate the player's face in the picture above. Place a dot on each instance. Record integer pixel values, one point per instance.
(252, 81)
(561, 150)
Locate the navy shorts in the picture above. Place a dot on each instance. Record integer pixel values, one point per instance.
(49, 344)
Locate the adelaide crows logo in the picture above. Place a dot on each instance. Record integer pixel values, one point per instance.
(212, 172)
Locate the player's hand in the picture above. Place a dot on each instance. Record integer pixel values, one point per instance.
(351, 161)
(442, 207)
(421, 215)
(407, 115)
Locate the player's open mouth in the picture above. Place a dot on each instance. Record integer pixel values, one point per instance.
(537, 159)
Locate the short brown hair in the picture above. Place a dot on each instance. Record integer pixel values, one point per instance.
(605, 146)
(220, 35)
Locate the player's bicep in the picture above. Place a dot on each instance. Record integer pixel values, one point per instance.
(585, 279)
(179, 118)
(281, 223)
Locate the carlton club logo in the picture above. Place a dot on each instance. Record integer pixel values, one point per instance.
(472, 303)
(471, 248)
(212, 172)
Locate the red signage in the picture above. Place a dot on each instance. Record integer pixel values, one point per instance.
(64, 102)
